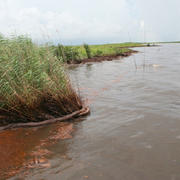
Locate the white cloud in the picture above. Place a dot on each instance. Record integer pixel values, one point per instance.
(91, 21)
(142, 24)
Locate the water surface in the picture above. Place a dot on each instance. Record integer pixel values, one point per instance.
(132, 133)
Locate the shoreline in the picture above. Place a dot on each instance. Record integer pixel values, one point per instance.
(109, 57)
(78, 113)
(103, 58)
(85, 110)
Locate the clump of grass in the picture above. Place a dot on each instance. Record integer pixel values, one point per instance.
(67, 53)
(60, 53)
(88, 50)
(33, 83)
(98, 53)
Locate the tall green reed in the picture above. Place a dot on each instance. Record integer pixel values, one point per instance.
(33, 82)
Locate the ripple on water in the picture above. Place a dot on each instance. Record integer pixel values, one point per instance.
(132, 133)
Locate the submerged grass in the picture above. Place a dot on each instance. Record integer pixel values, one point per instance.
(33, 83)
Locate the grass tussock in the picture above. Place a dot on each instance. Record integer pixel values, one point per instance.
(33, 83)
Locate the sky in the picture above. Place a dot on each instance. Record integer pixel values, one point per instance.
(91, 21)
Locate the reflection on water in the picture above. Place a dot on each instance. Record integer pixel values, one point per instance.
(133, 131)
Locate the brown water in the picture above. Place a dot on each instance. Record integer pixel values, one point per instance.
(132, 133)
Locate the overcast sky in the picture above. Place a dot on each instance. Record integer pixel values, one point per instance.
(91, 21)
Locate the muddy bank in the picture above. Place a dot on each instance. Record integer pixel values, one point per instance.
(84, 111)
(103, 58)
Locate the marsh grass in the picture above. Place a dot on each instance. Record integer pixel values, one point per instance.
(79, 53)
(66, 53)
(33, 83)
(88, 50)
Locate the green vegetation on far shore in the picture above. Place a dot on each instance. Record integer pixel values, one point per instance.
(170, 42)
(73, 54)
